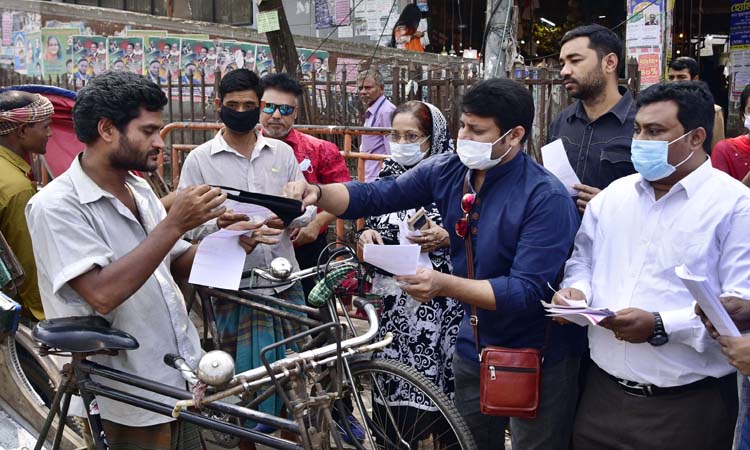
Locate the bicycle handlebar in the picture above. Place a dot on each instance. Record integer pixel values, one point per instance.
(178, 362)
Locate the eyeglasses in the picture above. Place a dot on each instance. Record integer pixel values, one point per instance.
(462, 226)
(270, 108)
(409, 137)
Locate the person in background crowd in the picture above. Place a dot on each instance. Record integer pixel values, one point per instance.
(424, 335)
(493, 192)
(320, 162)
(405, 34)
(378, 114)
(597, 129)
(105, 246)
(240, 157)
(24, 130)
(658, 380)
(733, 155)
(685, 68)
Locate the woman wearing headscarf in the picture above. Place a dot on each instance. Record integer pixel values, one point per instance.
(405, 34)
(424, 334)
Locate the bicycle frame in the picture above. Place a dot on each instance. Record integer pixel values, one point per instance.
(77, 376)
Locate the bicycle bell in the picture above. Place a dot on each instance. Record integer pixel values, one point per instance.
(216, 368)
(281, 268)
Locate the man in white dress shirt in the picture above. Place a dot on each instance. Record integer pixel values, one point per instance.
(104, 245)
(659, 381)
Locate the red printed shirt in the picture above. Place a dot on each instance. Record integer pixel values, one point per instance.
(326, 165)
(319, 160)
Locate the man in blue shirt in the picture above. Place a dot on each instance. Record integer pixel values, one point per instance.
(522, 224)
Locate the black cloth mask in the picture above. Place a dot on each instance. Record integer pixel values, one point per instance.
(240, 121)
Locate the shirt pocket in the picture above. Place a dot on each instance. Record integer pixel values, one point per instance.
(616, 150)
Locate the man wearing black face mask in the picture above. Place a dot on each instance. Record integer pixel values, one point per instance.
(242, 158)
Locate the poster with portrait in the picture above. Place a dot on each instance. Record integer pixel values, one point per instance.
(235, 55)
(56, 48)
(19, 51)
(197, 61)
(89, 57)
(125, 54)
(313, 63)
(263, 60)
(34, 54)
(163, 59)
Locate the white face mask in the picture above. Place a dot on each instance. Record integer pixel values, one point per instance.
(747, 122)
(478, 155)
(407, 154)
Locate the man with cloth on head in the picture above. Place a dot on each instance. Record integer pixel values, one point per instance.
(24, 130)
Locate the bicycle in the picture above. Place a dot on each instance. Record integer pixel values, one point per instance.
(312, 383)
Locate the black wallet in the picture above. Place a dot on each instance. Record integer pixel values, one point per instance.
(286, 208)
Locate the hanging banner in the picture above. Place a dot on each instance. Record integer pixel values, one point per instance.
(644, 38)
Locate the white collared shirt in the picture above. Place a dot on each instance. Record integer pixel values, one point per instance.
(625, 254)
(271, 166)
(75, 226)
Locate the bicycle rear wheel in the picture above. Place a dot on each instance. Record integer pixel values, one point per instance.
(392, 423)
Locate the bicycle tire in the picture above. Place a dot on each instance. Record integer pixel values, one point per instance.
(443, 428)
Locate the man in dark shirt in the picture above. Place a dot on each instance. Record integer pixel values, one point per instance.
(521, 224)
(596, 130)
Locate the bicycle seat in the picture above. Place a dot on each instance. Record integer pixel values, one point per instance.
(83, 334)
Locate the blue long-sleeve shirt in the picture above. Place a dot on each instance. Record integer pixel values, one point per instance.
(523, 225)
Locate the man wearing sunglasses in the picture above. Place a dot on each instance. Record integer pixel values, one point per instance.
(521, 224)
(320, 162)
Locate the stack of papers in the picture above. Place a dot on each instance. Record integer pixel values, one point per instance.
(709, 302)
(578, 312)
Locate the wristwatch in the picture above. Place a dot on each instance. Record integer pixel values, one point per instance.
(660, 336)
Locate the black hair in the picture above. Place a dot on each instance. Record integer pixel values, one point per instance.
(281, 82)
(410, 17)
(117, 96)
(695, 104)
(508, 102)
(82, 59)
(685, 62)
(601, 39)
(240, 80)
(15, 99)
(743, 99)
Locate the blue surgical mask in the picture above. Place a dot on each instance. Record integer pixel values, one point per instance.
(651, 158)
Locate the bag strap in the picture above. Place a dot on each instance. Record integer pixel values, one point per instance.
(473, 319)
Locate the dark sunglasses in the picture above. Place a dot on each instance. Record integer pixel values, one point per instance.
(462, 226)
(284, 110)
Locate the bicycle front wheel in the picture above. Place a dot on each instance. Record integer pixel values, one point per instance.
(404, 410)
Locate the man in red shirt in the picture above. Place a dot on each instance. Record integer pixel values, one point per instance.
(320, 161)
